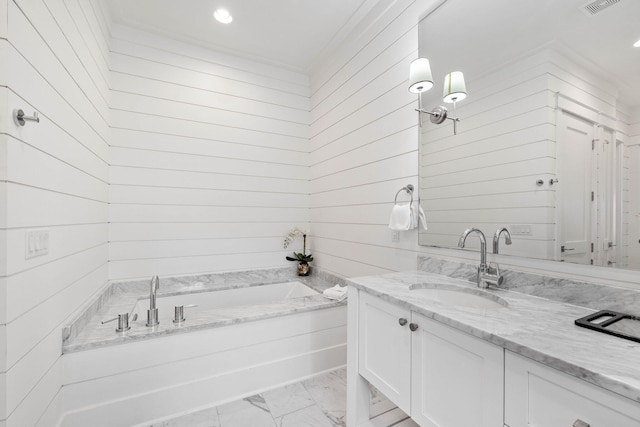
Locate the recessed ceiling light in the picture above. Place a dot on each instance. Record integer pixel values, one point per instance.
(223, 15)
(637, 44)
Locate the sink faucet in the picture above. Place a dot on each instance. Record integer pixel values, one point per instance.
(496, 245)
(496, 238)
(484, 278)
(152, 313)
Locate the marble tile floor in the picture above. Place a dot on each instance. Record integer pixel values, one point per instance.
(319, 401)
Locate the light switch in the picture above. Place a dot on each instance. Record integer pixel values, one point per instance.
(520, 230)
(36, 243)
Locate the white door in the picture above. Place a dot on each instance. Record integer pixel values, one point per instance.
(574, 167)
(633, 196)
(606, 154)
(457, 378)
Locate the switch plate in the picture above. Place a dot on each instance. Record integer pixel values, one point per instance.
(36, 243)
(520, 230)
(395, 236)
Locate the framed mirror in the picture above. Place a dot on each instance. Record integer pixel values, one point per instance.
(548, 142)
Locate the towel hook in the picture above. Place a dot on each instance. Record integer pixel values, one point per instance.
(409, 189)
(20, 118)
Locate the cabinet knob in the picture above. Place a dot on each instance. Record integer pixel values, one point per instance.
(402, 321)
(414, 326)
(580, 423)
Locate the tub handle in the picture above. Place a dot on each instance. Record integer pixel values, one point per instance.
(179, 312)
(123, 321)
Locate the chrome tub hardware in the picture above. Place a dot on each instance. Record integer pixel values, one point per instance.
(178, 316)
(152, 313)
(19, 117)
(123, 321)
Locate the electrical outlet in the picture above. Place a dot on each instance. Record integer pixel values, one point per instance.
(36, 243)
(395, 236)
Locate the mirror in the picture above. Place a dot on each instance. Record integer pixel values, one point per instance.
(548, 142)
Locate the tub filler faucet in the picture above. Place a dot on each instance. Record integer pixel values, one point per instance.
(484, 276)
(152, 313)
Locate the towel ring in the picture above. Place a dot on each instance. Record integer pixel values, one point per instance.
(408, 189)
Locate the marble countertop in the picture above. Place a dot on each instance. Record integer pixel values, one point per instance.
(539, 328)
(121, 297)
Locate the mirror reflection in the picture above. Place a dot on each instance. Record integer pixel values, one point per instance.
(548, 142)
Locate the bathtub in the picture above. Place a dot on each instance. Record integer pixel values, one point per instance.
(240, 340)
(222, 299)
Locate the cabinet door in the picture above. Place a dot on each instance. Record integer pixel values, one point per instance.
(457, 378)
(385, 348)
(539, 396)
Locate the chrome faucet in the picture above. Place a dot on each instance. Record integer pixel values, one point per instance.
(484, 277)
(496, 246)
(496, 238)
(152, 313)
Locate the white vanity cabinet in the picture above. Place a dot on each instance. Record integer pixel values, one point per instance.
(536, 395)
(439, 376)
(384, 342)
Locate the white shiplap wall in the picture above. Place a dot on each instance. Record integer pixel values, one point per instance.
(54, 177)
(364, 144)
(486, 175)
(209, 159)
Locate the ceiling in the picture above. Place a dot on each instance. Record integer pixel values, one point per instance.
(289, 33)
(486, 37)
(297, 34)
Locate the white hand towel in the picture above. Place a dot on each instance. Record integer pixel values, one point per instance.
(401, 217)
(418, 218)
(337, 293)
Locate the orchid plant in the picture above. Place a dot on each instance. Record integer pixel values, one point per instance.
(301, 257)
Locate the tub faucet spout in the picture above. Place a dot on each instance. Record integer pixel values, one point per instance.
(152, 313)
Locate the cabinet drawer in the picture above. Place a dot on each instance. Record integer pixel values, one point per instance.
(539, 396)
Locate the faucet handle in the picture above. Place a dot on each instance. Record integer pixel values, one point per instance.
(490, 277)
(179, 312)
(123, 321)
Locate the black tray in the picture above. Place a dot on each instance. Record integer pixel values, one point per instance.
(613, 323)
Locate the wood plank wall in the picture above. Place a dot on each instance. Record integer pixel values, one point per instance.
(209, 159)
(54, 177)
(486, 175)
(160, 157)
(364, 145)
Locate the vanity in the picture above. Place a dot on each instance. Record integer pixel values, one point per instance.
(449, 355)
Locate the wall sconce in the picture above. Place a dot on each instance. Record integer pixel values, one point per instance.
(421, 80)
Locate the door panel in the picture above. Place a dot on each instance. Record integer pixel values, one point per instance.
(385, 348)
(574, 167)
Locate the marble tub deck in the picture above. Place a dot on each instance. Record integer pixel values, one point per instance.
(538, 328)
(87, 332)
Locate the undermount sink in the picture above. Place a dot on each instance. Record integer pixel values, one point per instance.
(458, 296)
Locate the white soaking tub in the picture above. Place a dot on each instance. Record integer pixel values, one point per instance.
(241, 339)
(223, 299)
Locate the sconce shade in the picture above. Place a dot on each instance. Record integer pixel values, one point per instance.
(420, 78)
(454, 87)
